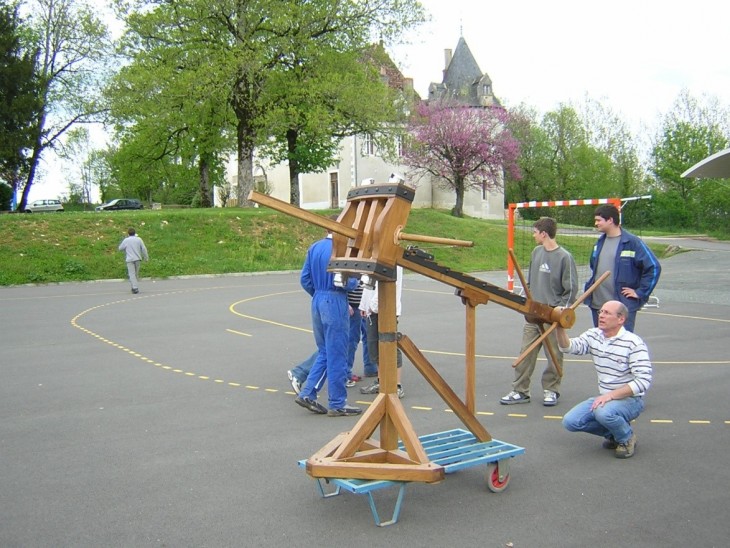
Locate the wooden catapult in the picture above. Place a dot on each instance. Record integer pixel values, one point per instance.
(366, 241)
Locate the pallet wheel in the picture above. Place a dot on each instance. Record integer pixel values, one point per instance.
(494, 484)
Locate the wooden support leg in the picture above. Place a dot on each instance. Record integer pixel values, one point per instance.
(470, 374)
(443, 389)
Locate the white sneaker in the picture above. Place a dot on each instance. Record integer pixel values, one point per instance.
(549, 398)
(514, 397)
(295, 384)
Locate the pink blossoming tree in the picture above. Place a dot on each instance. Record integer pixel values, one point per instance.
(461, 148)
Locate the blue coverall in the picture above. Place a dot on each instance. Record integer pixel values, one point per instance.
(330, 322)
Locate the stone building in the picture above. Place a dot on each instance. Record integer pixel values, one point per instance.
(360, 161)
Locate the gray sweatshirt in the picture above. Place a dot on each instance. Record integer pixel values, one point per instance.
(134, 247)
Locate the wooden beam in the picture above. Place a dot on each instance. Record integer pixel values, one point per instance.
(443, 389)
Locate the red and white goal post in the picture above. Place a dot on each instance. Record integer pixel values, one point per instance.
(523, 245)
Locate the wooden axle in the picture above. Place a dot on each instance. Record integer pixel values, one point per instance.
(400, 236)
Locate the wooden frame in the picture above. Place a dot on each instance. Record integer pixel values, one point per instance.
(366, 240)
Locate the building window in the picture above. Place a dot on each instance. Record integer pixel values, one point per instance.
(399, 145)
(487, 89)
(368, 147)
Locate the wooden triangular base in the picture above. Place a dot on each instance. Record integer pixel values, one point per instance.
(355, 455)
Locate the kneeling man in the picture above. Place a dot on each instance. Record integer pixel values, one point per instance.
(624, 372)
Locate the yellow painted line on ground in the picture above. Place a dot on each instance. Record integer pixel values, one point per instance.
(239, 333)
(415, 407)
(686, 317)
(232, 309)
(461, 355)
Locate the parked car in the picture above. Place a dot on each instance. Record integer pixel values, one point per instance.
(120, 203)
(43, 205)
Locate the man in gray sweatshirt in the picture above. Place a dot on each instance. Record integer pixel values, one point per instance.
(552, 280)
(135, 251)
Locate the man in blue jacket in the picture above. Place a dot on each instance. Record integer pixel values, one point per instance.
(635, 268)
(330, 322)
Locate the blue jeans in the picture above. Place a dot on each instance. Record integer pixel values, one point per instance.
(373, 336)
(613, 419)
(357, 334)
(301, 371)
(330, 317)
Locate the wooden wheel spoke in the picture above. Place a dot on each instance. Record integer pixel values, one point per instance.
(535, 344)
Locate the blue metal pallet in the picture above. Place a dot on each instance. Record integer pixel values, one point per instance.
(453, 449)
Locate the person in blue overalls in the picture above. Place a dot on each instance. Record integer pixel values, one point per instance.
(330, 322)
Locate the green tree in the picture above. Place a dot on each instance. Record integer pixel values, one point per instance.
(87, 166)
(248, 44)
(534, 160)
(19, 103)
(337, 94)
(170, 110)
(610, 135)
(692, 130)
(681, 145)
(73, 44)
(572, 154)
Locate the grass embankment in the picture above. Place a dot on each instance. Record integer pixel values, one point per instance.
(77, 246)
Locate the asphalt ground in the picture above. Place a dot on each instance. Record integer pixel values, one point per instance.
(166, 419)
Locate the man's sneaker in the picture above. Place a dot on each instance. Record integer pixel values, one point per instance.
(514, 397)
(313, 405)
(609, 443)
(626, 450)
(349, 383)
(295, 384)
(549, 398)
(135, 291)
(355, 378)
(371, 389)
(345, 411)
(400, 392)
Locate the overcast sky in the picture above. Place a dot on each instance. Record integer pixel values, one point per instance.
(634, 56)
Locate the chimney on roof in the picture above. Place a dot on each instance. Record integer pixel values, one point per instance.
(447, 58)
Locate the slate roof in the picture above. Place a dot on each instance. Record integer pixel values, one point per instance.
(463, 80)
